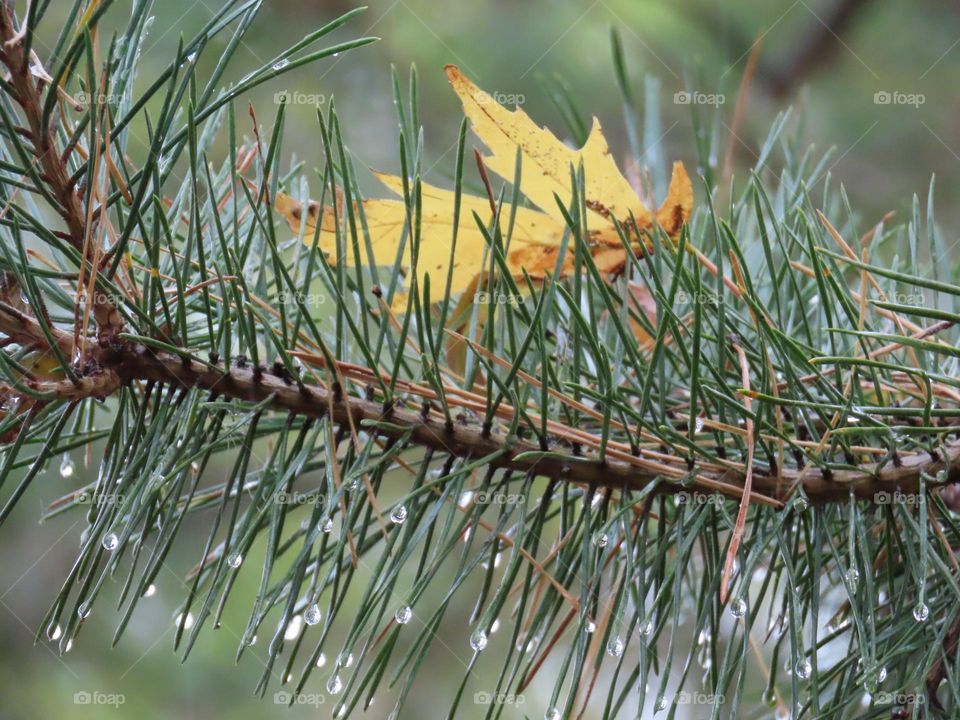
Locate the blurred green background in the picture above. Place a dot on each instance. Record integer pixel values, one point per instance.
(826, 59)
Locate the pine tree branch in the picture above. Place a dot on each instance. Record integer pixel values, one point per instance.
(127, 362)
(52, 164)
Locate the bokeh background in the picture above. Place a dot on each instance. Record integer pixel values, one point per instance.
(827, 59)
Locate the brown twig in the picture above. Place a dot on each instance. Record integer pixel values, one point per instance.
(28, 94)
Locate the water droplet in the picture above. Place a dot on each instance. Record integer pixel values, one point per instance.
(187, 622)
(83, 610)
(293, 628)
(552, 714)
(769, 697)
(601, 539)
(69, 646)
(494, 627)
(192, 56)
(55, 633)
(66, 466)
(403, 615)
(646, 629)
(150, 591)
(321, 660)
(921, 612)
(661, 704)
(235, 560)
(804, 669)
(353, 485)
(399, 515)
(590, 627)
(738, 608)
(465, 499)
(312, 615)
(334, 684)
(110, 541)
(478, 641)
(615, 647)
(281, 64)
(698, 425)
(327, 525)
(345, 659)
(781, 713)
(881, 674)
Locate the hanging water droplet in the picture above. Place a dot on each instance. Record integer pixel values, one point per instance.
(399, 515)
(83, 610)
(187, 622)
(293, 628)
(66, 466)
(478, 641)
(69, 646)
(552, 714)
(192, 56)
(403, 615)
(55, 633)
(804, 669)
(738, 608)
(281, 64)
(921, 612)
(769, 697)
(660, 705)
(312, 615)
(150, 591)
(235, 560)
(646, 629)
(353, 485)
(334, 684)
(345, 659)
(600, 539)
(590, 627)
(615, 647)
(698, 425)
(881, 674)
(494, 627)
(321, 660)
(110, 541)
(465, 499)
(327, 525)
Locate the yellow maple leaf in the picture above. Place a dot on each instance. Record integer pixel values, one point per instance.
(537, 234)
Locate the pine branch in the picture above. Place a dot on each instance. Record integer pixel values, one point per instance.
(27, 78)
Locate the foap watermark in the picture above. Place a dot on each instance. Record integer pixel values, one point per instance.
(501, 98)
(295, 497)
(485, 498)
(896, 97)
(697, 298)
(695, 97)
(100, 98)
(282, 697)
(297, 299)
(895, 497)
(497, 698)
(95, 697)
(698, 498)
(296, 97)
(88, 497)
(905, 298)
(899, 698)
(699, 698)
(496, 298)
